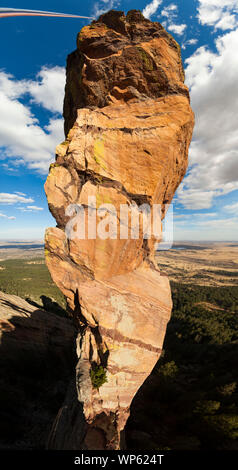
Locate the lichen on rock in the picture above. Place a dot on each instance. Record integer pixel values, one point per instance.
(128, 126)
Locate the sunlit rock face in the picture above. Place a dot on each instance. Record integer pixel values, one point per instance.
(128, 125)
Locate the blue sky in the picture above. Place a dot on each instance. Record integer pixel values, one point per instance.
(33, 55)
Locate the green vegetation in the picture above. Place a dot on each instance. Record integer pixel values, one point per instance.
(147, 60)
(186, 298)
(220, 272)
(30, 279)
(98, 376)
(191, 399)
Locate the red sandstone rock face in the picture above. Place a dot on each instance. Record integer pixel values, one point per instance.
(128, 127)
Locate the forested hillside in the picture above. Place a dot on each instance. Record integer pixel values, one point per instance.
(191, 399)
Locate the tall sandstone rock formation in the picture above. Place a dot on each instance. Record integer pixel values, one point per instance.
(128, 126)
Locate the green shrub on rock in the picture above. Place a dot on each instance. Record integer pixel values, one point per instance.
(98, 376)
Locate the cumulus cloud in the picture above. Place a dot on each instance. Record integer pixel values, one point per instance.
(177, 28)
(46, 90)
(171, 14)
(13, 198)
(151, 8)
(17, 198)
(22, 138)
(222, 14)
(212, 78)
(194, 199)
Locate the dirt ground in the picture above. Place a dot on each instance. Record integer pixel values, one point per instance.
(211, 264)
(21, 250)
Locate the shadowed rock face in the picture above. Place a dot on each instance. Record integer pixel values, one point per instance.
(36, 363)
(128, 126)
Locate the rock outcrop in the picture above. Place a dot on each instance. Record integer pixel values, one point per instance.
(37, 359)
(128, 125)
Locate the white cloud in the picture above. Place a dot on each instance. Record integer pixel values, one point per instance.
(103, 6)
(206, 229)
(207, 214)
(21, 137)
(233, 208)
(22, 209)
(35, 208)
(189, 42)
(171, 14)
(194, 215)
(46, 90)
(212, 78)
(7, 217)
(30, 209)
(177, 28)
(9, 168)
(227, 22)
(9, 198)
(192, 41)
(168, 11)
(219, 223)
(194, 199)
(151, 8)
(221, 14)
